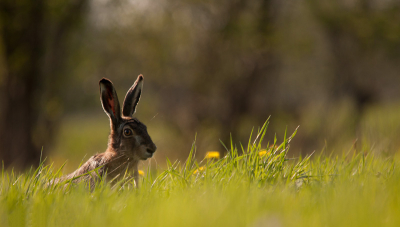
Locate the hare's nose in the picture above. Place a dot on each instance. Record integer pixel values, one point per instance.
(152, 149)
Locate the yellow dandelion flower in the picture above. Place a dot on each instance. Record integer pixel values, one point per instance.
(264, 152)
(199, 169)
(212, 154)
(141, 173)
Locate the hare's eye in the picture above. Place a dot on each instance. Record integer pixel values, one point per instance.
(127, 132)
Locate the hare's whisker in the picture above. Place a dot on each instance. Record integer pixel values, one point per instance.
(154, 117)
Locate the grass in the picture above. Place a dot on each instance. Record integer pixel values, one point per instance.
(251, 185)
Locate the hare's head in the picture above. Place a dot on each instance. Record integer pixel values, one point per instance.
(128, 135)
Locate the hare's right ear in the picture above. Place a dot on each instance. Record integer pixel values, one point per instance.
(132, 97)
(109, 100)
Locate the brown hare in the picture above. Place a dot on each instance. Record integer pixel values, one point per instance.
(128, 142)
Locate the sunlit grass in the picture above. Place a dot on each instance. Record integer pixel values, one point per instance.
(252, 185)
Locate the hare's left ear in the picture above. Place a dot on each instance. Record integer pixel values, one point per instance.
(132, 97)
(109, 100)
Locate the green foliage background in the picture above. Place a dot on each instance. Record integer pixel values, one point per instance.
(211, 68)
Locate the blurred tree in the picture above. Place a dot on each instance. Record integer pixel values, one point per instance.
(237, 65)
(34, 39)
(358, 33)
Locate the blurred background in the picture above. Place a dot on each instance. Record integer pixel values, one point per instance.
(212, 69)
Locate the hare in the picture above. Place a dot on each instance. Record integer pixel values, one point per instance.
(128, 142)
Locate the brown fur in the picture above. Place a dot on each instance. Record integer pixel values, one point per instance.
(128, 142)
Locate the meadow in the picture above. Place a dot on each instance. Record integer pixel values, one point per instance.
(253, 184)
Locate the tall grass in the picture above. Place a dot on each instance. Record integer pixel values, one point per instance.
(251, 185)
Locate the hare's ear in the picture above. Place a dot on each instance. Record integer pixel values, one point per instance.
(132, 97)
(109, 100)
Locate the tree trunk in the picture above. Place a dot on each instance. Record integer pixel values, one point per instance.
(30, 31)
(21, 31)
